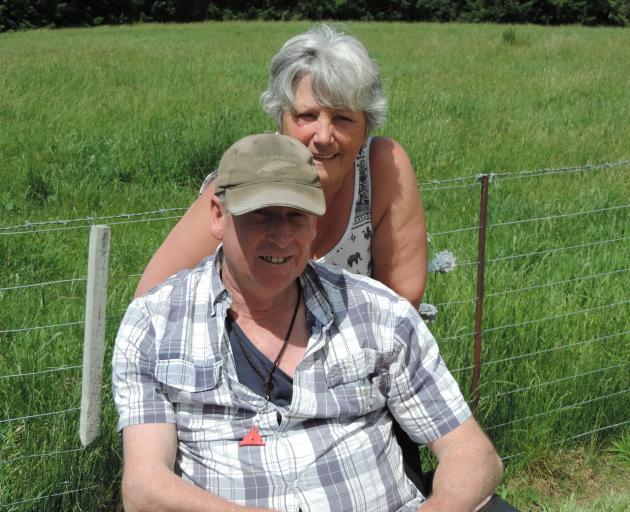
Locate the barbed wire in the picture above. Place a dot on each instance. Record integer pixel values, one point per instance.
(559, 409)
(33, 416)
(40, 372)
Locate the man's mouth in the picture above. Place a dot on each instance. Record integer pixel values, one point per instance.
(324, 157)
(276, 260)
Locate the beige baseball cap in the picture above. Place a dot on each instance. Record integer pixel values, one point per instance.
(269, 170)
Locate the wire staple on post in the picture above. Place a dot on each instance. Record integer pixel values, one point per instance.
(94, 338)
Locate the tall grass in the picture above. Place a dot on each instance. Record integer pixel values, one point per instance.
(127, 119)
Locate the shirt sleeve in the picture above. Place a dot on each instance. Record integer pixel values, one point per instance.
(137, 393)
(424, 397)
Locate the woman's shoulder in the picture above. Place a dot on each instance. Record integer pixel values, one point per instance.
(391, 173)
(387, 153)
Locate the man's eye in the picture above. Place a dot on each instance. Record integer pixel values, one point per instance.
(306, 116)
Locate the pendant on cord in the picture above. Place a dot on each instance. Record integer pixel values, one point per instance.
(253, 437)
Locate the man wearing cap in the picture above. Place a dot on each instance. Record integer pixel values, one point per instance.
(262, 380)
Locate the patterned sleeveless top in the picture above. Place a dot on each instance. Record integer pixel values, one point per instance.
(353, 251)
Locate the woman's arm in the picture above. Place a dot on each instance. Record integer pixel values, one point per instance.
(399, 243)
(186, 245)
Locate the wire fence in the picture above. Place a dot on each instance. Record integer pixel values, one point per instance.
(554, 361)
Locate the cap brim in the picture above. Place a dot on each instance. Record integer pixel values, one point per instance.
(248, 198)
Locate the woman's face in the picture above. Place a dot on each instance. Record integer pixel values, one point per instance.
(333, 135)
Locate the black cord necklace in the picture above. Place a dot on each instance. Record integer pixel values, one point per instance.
(252, 438)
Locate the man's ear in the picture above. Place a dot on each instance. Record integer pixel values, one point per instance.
(217, 216)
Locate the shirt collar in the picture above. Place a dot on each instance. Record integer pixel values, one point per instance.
(218, 292)
(315, 296)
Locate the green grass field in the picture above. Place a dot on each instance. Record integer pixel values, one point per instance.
(104, 121)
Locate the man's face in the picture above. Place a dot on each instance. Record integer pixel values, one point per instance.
(267, 249)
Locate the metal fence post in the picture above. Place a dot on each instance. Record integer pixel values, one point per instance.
(481, 259)
(94, 336)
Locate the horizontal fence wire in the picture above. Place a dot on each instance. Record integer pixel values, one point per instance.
(557, 283)
(532, 219)
(42, 415)
(559, 409)
(63, 493)
(545, 251)
(128, 276)
(544, 351)
(40, 372)
(536, 320)
(451, 231)
(449, 187)
(534, 287)
(38, 327)
(559, 216)
(90, 219)
(556, 317)
(74, 228)
(606, 166)
(557, 381)
(559, 249)
(572, 438)
(470, 181)
(45, 283)
(40, 455)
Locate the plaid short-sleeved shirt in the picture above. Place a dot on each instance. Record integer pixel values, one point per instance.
(369, 354)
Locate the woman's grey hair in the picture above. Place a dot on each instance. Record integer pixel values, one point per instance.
(341, 71)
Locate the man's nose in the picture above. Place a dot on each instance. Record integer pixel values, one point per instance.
(280, 231)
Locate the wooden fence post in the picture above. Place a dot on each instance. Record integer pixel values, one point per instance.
(481, 259)
(94, 336)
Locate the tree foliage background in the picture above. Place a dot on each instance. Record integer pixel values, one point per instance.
(26, 14)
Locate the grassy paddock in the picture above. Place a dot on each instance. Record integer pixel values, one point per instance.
(102, 121)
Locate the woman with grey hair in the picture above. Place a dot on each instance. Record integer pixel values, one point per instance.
(325, 90)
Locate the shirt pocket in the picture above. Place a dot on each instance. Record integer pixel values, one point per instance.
(185, 382)
(359, 383)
